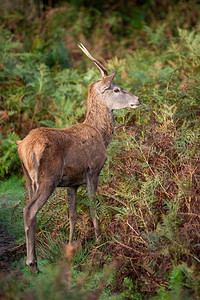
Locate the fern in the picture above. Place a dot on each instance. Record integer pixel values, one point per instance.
(9, 158)
(183, 284)
(191, 41)
(7, 45)
(156, 38)
(67, 98)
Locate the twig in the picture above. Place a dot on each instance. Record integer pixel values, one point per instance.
(125, 246)
(190, 214)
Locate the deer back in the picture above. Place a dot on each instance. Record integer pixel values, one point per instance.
(69, 153)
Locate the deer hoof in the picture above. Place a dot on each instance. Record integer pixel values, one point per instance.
(33, 267)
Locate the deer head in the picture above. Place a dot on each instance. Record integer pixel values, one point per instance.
(111, 95)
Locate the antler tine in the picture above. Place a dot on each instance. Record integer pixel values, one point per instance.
(103, 71)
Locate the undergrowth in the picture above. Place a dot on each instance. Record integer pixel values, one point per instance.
(148, 195)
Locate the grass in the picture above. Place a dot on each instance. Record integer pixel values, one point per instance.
(12, 196)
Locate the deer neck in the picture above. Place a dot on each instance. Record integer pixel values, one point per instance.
(100, 117)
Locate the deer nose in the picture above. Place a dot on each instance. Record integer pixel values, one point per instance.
(139, 100)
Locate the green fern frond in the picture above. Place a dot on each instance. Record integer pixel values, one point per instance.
(191, 40)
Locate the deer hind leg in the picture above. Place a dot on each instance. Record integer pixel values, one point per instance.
(92, 182)
(28, 182)
(71, 197)
(30, 222)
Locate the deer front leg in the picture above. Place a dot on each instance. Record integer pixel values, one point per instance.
(92, 182)
(95, 221)
(71, 197)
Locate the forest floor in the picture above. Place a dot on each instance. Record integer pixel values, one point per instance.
(10, 251)
(12, 247)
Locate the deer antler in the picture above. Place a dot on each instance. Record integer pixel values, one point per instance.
(103, 71)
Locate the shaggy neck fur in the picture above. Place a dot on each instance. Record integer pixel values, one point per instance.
(100, 117)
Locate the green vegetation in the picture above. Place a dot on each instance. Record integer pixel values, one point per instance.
(148, 195)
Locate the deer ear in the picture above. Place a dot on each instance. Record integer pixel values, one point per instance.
(106, 81)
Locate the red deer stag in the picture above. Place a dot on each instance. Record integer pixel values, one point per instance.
(71, 156)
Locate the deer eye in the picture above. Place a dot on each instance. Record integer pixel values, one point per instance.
(116, 90)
